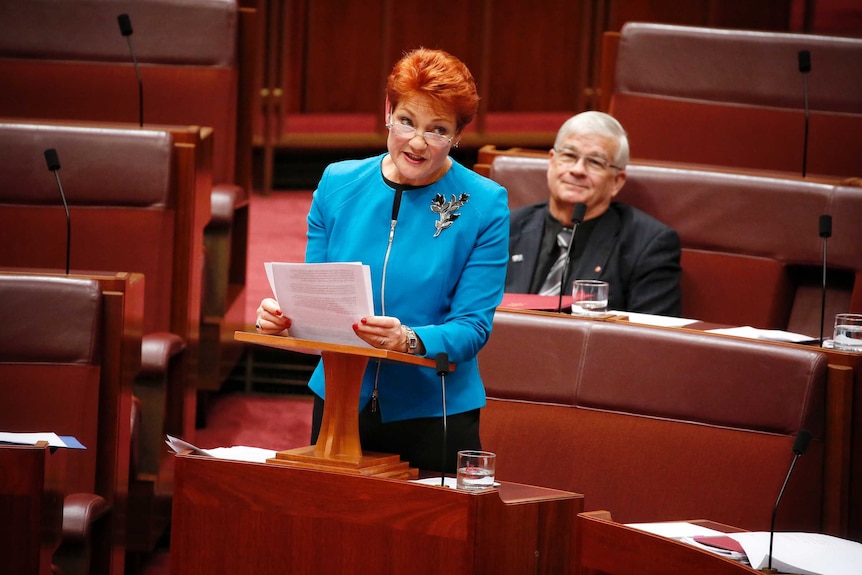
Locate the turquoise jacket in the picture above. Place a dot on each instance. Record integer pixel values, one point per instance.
(444, 277)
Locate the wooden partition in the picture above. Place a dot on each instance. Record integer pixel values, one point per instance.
(237, 518)
(611, 548)
(31, 507)
(535, 63)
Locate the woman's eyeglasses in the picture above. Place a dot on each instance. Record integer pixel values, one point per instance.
(433, 139)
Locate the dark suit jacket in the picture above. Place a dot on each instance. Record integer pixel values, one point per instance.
(632, 251)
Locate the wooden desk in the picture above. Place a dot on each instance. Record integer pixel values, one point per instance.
(31, 507)
(610, 548)
(237, 518)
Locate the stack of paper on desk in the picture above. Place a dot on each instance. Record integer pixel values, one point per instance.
(801, 553)
(51, 438)
(236, 452)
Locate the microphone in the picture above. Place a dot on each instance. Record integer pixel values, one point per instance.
(825, 230)
(804, 68)
(800, 446)
(126, 30)
(577, 217)
(53, 162)
(442, 360)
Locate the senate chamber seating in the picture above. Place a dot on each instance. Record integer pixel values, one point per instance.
(735, 97)
(69, 349)
(67, 61)
(138, 201)
(752, 254)
(659, 424)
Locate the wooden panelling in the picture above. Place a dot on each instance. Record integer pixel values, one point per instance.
(325, 61)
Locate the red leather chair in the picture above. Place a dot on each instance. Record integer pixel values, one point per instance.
(61, 62)
(69, 349)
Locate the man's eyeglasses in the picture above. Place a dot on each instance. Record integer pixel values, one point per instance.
(570, 159)
(433, 139)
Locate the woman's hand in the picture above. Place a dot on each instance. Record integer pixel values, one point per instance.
(270, 320)
(382, 332)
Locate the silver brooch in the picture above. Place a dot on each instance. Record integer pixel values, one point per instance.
(447, 210)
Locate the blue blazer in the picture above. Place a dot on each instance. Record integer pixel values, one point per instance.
(632, 251)
(444, 277)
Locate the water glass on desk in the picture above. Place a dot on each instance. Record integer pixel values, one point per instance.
(475, 470)
(589, 297)
(848, 332)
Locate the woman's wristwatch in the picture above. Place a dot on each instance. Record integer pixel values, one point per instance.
(412, 340)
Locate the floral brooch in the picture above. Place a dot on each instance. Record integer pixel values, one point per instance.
(447, 210)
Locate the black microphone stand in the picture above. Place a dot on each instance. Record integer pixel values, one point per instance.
(442, 360)
(577, 217)
(126, 30)
(804, 68)
(825, 230)
(53, 161)
(800, 446)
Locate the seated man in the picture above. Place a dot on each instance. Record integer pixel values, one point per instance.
(632, 251)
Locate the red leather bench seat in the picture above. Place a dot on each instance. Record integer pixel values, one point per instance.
(735, 98)
(655, 424)
(751, 249)
(119, 185)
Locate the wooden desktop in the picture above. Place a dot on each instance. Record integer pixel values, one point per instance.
(610, 548)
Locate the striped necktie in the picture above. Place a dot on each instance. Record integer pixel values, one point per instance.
(555, 276)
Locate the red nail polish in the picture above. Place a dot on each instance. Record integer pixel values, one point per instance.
(355, 327)
(289, 323)
(364, 321)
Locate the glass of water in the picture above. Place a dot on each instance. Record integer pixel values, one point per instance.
(589, 297)
(475, 470)
(848, 332)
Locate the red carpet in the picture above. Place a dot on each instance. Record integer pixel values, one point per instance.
(269, 421)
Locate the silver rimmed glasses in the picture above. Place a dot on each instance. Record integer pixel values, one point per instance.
(433, 139)
(570, 158)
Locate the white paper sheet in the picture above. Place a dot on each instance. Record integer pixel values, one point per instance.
(674, 529)
(323, 300)
(53, 439)
(658, 320)
(236, 452)
(767, 334)
(803, 553)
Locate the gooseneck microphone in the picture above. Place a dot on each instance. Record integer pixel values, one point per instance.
(825, 230)
(396, 207)
(800, 446)
(442, 360)
(804, 68)
(126, 30)
(577, 217)
(53, 161)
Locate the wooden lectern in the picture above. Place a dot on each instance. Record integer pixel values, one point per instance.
(610, 548)
(338, 447)
(238, 518)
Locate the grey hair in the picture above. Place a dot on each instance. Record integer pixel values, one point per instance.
(600, 124)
